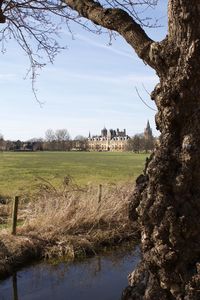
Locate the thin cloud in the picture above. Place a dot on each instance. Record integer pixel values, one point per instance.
(7, 76)
(102, 46)
(62, 74)
(105, 47)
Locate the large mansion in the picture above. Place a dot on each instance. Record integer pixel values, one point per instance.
(109, 140)
(113, 140)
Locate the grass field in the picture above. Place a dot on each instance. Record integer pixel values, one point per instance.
(71, 222)
(20, 171)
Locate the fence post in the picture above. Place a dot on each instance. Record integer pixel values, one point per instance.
(15, 288)
(100, 193)
(14, 215)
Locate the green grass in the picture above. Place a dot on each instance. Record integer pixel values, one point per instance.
(5, 226)
(8, 225)
(19, 171)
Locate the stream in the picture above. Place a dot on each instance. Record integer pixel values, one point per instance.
(101, 278)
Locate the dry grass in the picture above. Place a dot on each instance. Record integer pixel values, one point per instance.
(76, 211)
(71, 221)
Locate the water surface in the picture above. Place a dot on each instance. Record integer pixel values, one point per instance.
(97, 278)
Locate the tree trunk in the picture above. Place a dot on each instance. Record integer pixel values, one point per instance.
(166, 201)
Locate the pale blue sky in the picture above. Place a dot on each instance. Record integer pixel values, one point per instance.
(89, 85)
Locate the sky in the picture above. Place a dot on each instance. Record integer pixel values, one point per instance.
(89, 86)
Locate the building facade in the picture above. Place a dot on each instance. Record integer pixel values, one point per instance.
(108, 140)
(115, 140)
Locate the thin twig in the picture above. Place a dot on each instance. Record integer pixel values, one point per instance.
(143, 100)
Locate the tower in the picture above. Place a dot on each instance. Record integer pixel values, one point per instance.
(104, 132)
(148, 132)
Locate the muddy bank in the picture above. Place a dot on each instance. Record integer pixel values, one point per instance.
(21, 250)
(17, 251)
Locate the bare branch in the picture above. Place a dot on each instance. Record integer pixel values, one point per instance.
(143, 100)
(35, 24)
(115, 19)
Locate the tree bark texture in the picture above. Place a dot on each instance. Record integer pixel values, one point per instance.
(167, 196)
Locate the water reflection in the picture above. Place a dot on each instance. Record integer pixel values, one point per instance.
(14, 284)
(98, 278)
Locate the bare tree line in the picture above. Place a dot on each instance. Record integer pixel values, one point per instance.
(60, 140)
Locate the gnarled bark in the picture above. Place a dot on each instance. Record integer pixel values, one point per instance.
(168, 202)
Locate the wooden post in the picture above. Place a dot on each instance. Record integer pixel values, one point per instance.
(14, 215)
(15, 288)
(100, 193)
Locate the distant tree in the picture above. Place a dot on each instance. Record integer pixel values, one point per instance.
(62, 139)
(50, 135)
(62, 135)
(149, 144)
(135, 143)
(2, 142)
(50, 140)
(29, 146)
(9, 145)
(139, 143)
(35, 140)
(58, 140)
(37, 144)
(18, 145)
(129, 145)
(80, 143)
(80, 138)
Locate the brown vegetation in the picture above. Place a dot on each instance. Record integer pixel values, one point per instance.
(68, 222)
